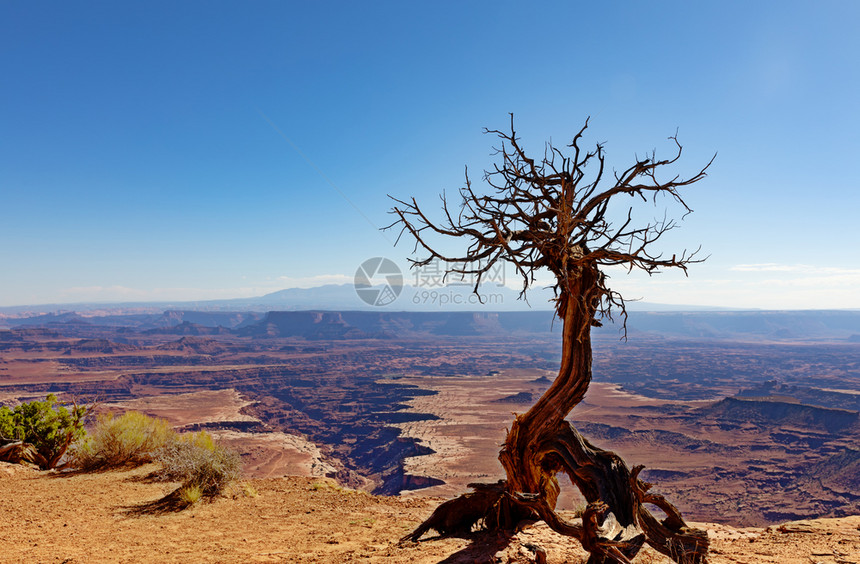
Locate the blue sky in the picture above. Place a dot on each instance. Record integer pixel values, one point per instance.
(197, 150)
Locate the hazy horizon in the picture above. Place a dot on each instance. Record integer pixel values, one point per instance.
(256, 303)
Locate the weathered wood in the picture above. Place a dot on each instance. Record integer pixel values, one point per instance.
(546, 216)
(19, 452)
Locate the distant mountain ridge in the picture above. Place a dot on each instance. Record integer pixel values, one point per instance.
(340, 297)
(764, 326)
(371, 324)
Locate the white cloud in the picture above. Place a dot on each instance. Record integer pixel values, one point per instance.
(119, 293)
(759, 286)
(754, 286)
(126, 294)
(797, 268)
(767, 267)
(312, 281)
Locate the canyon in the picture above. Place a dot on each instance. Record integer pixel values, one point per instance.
(747, 418)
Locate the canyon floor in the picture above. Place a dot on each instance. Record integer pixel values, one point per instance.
(735, 432)
(112, 517)
(747, 433)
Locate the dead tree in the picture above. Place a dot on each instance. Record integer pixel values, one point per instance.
(553, 214)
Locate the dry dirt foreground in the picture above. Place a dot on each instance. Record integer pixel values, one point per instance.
(49, 517)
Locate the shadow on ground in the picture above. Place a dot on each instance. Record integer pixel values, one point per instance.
(171, 503)
(482, 547)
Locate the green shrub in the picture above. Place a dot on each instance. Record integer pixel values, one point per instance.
(249, 491)
(46, 425)
(196, 460)
(131, 439)
(190, 495)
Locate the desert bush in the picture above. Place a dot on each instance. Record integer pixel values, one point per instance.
(196, 460)
(47, 425)
(249, 491)
(190, 495)
(131, 439)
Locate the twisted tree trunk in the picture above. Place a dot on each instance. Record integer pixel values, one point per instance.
(546, 215)
(541, 443)
(524, 450)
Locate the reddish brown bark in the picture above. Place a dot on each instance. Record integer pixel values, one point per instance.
(545, 216)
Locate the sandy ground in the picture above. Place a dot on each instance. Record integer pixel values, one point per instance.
(111, 517)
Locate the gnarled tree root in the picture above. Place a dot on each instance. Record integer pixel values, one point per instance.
(19, 452)
(461, 514)
(615, 524)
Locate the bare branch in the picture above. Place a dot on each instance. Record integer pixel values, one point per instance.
(554, 214)
(550, 214)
